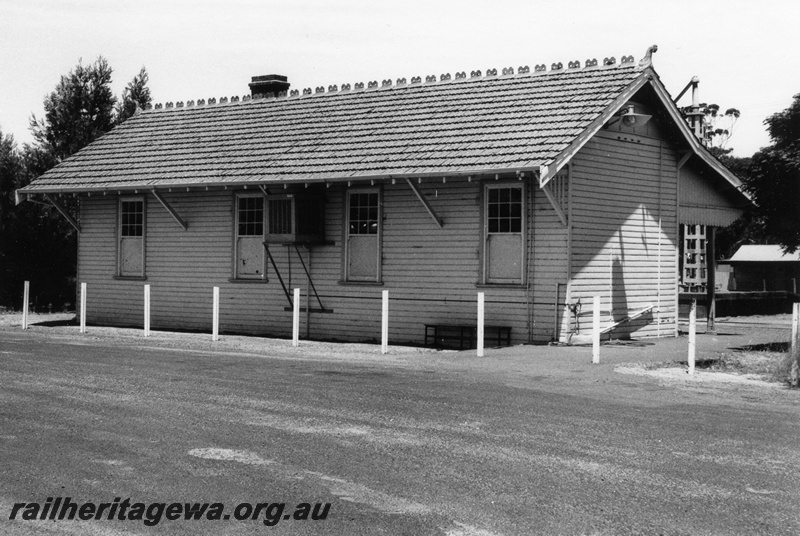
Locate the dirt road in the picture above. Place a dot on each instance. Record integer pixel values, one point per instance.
(528, 440)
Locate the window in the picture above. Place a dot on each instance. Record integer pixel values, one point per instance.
(249, 247)
(281, 216)
(504, 233)
(131, 237)
(362, 243)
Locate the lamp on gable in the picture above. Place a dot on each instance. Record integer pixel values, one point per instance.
(628, 117)
(631, 119)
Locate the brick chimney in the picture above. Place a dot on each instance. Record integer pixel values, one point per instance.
(268, 85)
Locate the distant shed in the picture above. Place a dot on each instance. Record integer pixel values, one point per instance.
(764, 268)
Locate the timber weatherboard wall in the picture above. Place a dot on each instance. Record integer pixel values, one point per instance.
(701, 202)
(624, 231)
(432, 273)
(618, 191)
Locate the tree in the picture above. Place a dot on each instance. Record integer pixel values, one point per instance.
(717, 127)
(37, 243)
(135, 95)
(80, 110)
(10, 167)
(774, 179)
(749, 228)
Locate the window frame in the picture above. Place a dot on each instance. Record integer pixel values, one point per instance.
(236, 236)
(347, 276)
(280, 238)
(523, 233)
(121, 272)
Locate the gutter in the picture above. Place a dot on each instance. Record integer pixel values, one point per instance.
(26, 192)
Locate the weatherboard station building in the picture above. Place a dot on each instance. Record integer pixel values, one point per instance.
(539, 187)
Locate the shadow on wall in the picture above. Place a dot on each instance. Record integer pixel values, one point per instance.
(620, 309)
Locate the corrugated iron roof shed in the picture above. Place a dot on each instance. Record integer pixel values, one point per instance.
(763, 253)
(459, 126)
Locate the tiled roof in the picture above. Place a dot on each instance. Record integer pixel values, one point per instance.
(458, 126)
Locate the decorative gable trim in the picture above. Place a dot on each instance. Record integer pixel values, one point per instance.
(548, 171)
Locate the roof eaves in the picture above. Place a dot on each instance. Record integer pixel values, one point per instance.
(23, 193)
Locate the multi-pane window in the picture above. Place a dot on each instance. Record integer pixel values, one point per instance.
(504, 252)
(132, 218)
(362, 253)
(131, 237)
(504, 210)
(251, 216)
(363, 213)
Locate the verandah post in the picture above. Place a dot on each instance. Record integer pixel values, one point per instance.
(147, 310)
(596, 330)
(25, 299)
(692, 335)
(83, 308)
(215, 317)
(385, 323)
(296, 318)
(480, 323)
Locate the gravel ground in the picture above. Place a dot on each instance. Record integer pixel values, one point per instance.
(526, 440)
(663, 360)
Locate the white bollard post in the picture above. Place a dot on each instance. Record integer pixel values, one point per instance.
(296, 318)
(692, 335)
(596, 330)
(215, 320)
(480, 323)
(385, 323)
(26, 291)
(147, 310)
(83, 307)
(794, 350)
(795, 342)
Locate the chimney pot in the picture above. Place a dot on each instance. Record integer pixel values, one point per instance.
(268, 85)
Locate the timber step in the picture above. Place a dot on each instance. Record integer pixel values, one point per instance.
(464, 336)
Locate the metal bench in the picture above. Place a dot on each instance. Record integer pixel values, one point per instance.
(465, 336)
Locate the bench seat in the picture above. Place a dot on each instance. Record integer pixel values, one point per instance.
(465, 336)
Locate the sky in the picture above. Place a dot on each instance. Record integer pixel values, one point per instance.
(745, 53)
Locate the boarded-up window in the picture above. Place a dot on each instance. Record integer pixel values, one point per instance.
(504, 211)
(250, 236)
(131, 236)
(363, 235)
(280, 216)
